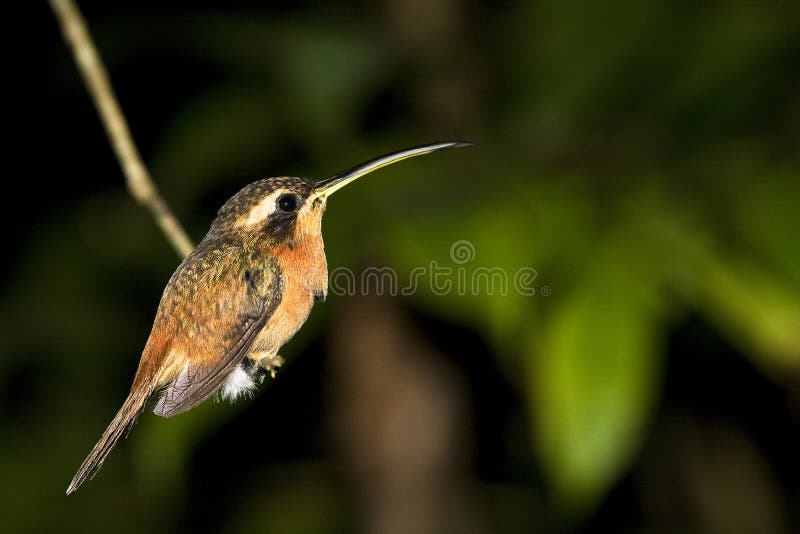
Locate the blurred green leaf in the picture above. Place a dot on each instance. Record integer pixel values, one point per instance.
(757, 308)
(593, 376)
(765, 215)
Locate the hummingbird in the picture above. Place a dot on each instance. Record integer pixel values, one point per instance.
(232, 303)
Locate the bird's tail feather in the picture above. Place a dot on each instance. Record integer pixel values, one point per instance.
(126, 417)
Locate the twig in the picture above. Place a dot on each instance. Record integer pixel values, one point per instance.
(140, 185)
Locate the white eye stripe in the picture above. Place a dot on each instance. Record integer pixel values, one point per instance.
(261, 211)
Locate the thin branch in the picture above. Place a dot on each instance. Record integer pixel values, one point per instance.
(140, 185)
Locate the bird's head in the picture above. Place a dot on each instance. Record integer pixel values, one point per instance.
(285, 209)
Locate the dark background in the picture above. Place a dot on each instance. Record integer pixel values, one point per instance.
(641, 156)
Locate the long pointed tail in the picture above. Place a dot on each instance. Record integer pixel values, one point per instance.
(124, 420)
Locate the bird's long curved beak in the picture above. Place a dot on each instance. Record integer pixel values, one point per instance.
(327, 187)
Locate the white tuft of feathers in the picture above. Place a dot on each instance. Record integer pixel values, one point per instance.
(238, 384)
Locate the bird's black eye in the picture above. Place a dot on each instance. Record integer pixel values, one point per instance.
(287, 203)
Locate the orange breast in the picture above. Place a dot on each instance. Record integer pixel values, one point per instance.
(305, 272)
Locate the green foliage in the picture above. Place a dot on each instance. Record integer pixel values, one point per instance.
(640, 156)
(592, 374)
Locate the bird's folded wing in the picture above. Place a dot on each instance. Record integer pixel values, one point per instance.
(220, 335)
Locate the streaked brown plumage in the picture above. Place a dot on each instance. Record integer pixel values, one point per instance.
(235, 300)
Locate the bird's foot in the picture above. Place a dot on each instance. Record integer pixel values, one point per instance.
(269, 363)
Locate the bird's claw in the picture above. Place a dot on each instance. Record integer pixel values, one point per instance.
(270, 364)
